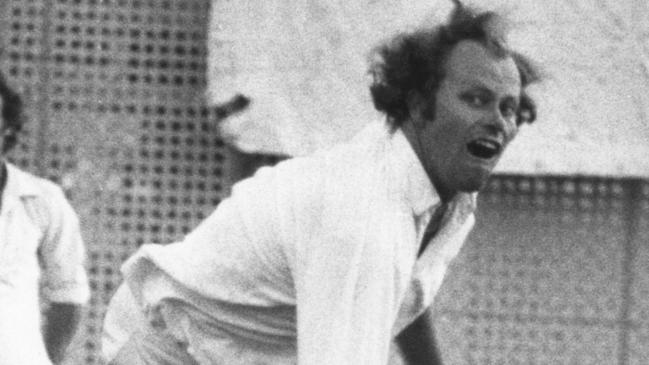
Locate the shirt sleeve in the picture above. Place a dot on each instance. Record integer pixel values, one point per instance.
(344, 279)
(233, 256)
(62, 253)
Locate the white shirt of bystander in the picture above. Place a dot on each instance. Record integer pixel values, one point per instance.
(41, 258)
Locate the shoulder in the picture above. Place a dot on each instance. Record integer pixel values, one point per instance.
(39, 194)
(359, 158)
(338, 175)
(343, 161)
(32, 185)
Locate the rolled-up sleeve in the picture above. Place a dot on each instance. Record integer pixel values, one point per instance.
(62, 254)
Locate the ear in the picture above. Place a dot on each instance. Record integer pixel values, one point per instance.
(416, 109)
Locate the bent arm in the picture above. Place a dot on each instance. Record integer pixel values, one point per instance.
(61, 323)
(64, 281)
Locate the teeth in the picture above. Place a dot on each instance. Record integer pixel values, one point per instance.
(487, 144)
(483, 148)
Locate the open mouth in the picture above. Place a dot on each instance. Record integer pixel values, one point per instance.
(484, 148)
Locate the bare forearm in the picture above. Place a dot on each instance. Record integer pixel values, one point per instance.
(417, 342)
(61, 322)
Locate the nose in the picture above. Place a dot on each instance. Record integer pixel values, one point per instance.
(499, 124)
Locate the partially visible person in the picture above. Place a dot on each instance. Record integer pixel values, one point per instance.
(43, 283)
(335, 258)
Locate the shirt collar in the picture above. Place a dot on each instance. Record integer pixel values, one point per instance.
(19, 184)
(419, 192)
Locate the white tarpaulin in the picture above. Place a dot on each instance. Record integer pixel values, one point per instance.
(304, 65)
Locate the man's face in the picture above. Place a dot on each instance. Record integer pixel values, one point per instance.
(473, 121)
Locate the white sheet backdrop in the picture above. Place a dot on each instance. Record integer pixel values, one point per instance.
(304, 62)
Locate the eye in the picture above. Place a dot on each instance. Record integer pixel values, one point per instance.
(475, 100)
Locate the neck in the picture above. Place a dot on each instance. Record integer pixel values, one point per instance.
(3, 179)
(445, 195)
